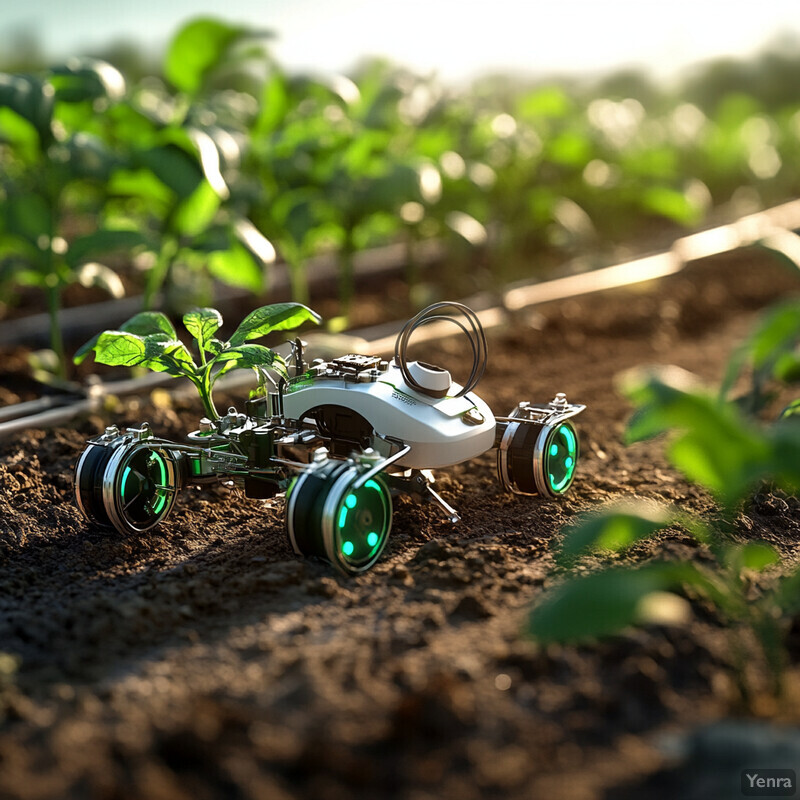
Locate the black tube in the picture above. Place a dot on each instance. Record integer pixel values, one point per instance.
(476, 337)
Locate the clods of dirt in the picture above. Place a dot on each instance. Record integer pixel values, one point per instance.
(204, 660)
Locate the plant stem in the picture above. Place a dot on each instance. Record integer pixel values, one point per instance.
(740, 661)
(412, 264)
(157, 274)
(768, 631)
(208, 402)
(298, 282)
(346, 272)
(204, 384)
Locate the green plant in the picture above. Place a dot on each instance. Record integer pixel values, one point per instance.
(321, 154)
(149, 339)
(771, 354)
(716, 446)
(55, 170)
(171, 180)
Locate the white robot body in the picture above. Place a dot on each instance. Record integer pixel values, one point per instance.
(439, 430)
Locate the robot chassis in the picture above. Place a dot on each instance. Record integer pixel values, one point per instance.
(339, 438)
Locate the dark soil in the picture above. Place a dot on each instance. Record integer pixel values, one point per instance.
(206, 661)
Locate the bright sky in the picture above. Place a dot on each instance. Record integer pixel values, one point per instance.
(457, 39)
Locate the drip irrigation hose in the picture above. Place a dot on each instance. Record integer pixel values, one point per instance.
(771, 227)
(475, 335)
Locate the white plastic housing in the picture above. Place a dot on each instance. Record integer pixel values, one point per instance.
(433, 378)
(440, 431)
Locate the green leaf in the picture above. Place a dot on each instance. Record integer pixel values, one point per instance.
(118, 348)
(237, 267)
(548, 102)
(597, 605)
(672, 204)
(168, 355)
(215, 346)
(775, 337)
(20, 133)
(779, 330)
(196, 50)
(141, 183)
(214, 237)
(89, 157)
(664, 397)
(197, 211)
(16, 248)
(615, 528)
(145, 323)
(83, 79)
(390, 190)
(716, 448)
(29, 216)
(27, 97)
(275, 102)
(784, 467)
(202, 323)
(249, 355)
(787, 367)
(299, 213)
(101, 242)
(792, 410)
(277, 317)
(755, 556)
(570, 149)
(176, 168)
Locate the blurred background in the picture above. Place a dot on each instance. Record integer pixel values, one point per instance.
(459, 41)
(164, 153)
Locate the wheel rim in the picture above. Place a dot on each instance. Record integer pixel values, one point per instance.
(141, 487)
(560, 458)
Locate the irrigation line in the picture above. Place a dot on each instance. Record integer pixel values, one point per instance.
(772, 227)
(49, 419)
(30, 407)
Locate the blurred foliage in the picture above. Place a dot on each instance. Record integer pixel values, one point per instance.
(714, 444)
(201, 168)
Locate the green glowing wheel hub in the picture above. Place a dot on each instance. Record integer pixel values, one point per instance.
(140, 487)
(331, 515)
(362, 522)
(561, 458)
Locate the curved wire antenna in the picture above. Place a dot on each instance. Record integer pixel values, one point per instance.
(473, 330)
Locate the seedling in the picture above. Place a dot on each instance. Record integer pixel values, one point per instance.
(337, 438)
(149, 339)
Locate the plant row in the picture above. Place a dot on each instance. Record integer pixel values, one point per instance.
(171, 182)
